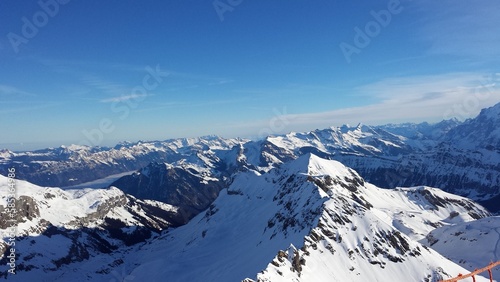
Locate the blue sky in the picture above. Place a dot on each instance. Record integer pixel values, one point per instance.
(100, 72)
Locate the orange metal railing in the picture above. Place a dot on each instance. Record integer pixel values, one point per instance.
(474, 273)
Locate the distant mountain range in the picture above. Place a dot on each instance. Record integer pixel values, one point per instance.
(459, 157)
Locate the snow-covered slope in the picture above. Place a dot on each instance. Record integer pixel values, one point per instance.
(56, 227)
(311, 219)
(472, 244)
(343, 228)
(72, 209)
(365, 234)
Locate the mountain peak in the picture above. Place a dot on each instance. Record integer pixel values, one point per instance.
(491, 112)
(313, 165)
(332, 177)
(5, 154)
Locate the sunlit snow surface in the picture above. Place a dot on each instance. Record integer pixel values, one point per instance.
(471, 244)
(309, 220)
(341, 240)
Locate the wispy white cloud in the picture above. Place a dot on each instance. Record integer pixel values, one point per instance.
(402, 60)
(90, 73)
(13, 92)
(124, 98)
(421, 98)
(14, 101)
(186, 104)
(28, 108)
(400, 99)
(221, 82)
(160, 106)
(108, 87)
(115, 90)
(402, 89)
(460, 27)
(76, 65)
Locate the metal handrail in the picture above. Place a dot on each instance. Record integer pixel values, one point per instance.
(475, 272)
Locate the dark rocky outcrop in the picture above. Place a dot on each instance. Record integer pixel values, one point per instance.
(172, 185)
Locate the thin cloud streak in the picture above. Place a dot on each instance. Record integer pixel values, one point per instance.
(453, 28)
(14, 92)
(417, 99)
(29, 108)
(124, 98)
(112, 88)
(170, 105)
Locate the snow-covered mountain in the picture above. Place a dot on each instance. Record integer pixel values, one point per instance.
(461, 158)
(57, 227)
(68, 166)
(482, 132)
(310, 219)
(422, 131)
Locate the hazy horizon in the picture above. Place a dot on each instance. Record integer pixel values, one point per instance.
(282, 124)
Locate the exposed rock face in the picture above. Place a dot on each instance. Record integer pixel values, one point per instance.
(25, 209)
(56, 227)
(172, 185)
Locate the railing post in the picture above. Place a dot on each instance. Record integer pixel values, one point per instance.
(475, 272)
